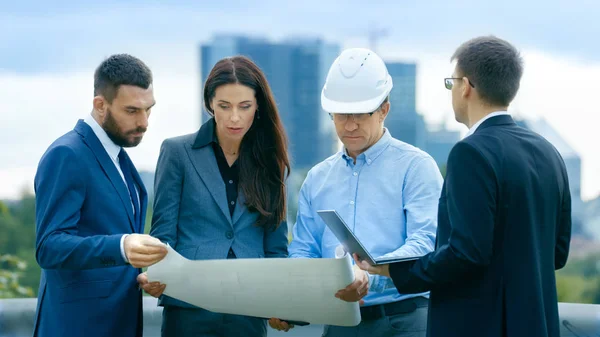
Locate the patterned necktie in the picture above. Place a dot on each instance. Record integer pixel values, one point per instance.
(126, 167)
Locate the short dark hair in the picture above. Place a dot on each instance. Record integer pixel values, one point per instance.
(493, 66)
(117, 70)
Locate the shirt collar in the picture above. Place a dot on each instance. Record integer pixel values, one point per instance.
(374, 151)
(111, 148)
(206, 134)
(493, 114)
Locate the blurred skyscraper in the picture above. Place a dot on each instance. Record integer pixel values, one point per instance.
(296, 70)
(403, 120)
(439, 143)
(409, 126)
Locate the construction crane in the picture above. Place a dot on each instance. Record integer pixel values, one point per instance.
(374, 34)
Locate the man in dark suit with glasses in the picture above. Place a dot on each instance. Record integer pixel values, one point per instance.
(504, 220)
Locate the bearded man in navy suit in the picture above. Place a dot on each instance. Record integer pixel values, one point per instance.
(90, 211)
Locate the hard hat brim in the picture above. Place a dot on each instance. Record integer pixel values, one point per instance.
(367, 106)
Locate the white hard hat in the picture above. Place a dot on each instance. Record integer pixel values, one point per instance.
(357, 82)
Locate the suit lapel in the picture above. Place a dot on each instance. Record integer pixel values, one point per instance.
(239, 207)
(108, 167)
(204, 162)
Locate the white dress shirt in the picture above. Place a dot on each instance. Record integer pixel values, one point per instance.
(112, 150)
(493, 114)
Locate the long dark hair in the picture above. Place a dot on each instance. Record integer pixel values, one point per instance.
(263, 160)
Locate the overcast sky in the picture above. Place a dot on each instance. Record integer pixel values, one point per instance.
(49, 54)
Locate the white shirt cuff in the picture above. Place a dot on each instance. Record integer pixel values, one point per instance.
(123, 248)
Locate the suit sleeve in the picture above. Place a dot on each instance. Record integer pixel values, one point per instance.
(563, 230)
(471, 199)
(168, 187)
(60, 187)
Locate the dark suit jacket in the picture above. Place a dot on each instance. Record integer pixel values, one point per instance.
(191, 212)
(504, 226)
(83, 208)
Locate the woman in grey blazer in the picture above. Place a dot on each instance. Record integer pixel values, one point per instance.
(220, 193)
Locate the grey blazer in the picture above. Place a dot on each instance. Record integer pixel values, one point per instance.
(191, 212)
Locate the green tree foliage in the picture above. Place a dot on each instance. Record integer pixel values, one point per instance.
(11, 270)
(20, 273)
(579, 281)
(148, 221)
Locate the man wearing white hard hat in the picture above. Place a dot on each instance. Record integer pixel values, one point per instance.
(387, 191)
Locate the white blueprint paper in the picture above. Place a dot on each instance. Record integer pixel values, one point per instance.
(290, 289)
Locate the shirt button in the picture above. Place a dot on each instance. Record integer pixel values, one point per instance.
(355, 174)
(368, 161)
(229, 235)
(232, 202)
(351, 202)
(231, 181)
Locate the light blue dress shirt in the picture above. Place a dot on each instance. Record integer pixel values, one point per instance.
(389, 198)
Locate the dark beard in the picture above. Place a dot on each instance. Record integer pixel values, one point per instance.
(114, 133)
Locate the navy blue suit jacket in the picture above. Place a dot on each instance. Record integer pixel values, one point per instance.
(504, 226)
(82, 210)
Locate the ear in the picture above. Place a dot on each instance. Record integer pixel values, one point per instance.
(466, 89)
(385, 109)
(100, 105)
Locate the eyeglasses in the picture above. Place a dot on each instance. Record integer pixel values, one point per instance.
(449, 82)
(357, 118)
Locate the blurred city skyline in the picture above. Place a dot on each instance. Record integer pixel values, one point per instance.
(50, 53)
